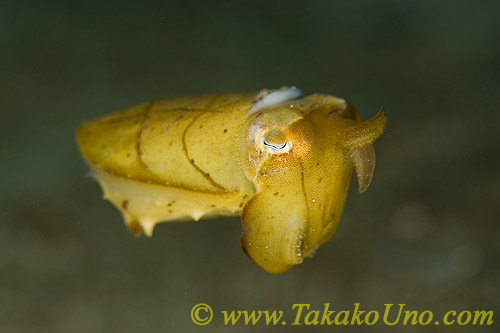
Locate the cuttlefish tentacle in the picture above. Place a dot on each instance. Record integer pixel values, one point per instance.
(275, 221)
(363, 133)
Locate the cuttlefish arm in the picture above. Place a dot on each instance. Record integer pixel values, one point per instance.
(274, 221)
(358, 141)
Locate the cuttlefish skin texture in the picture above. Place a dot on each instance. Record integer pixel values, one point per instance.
(284, 163)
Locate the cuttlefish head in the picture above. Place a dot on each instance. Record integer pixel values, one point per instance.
(300, 155)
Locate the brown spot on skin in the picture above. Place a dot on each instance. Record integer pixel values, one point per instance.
(128, 155)
(241, 204)
(201, 126)
(212, 205)
(103, 146)
(320, 179)
(170, 211)
(124, 204)
(245, 196)
(317, 164)
(169, 204)
(135, 228)
(276, 193)
(225, 130)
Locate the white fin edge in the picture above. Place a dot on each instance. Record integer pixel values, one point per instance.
(266, 98)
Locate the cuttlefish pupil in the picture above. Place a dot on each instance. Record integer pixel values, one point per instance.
(277, 148)
(274, 145)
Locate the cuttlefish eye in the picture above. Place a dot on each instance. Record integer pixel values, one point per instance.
(274, 142)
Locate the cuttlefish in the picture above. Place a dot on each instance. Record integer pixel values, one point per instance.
(283, 162)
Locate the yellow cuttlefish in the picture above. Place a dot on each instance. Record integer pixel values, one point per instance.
(283, 162)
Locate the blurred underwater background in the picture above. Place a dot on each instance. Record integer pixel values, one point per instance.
(425, 234)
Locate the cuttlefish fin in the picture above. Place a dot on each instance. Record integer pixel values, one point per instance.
(358, 139)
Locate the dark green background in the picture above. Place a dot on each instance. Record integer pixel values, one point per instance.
(426, 233)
